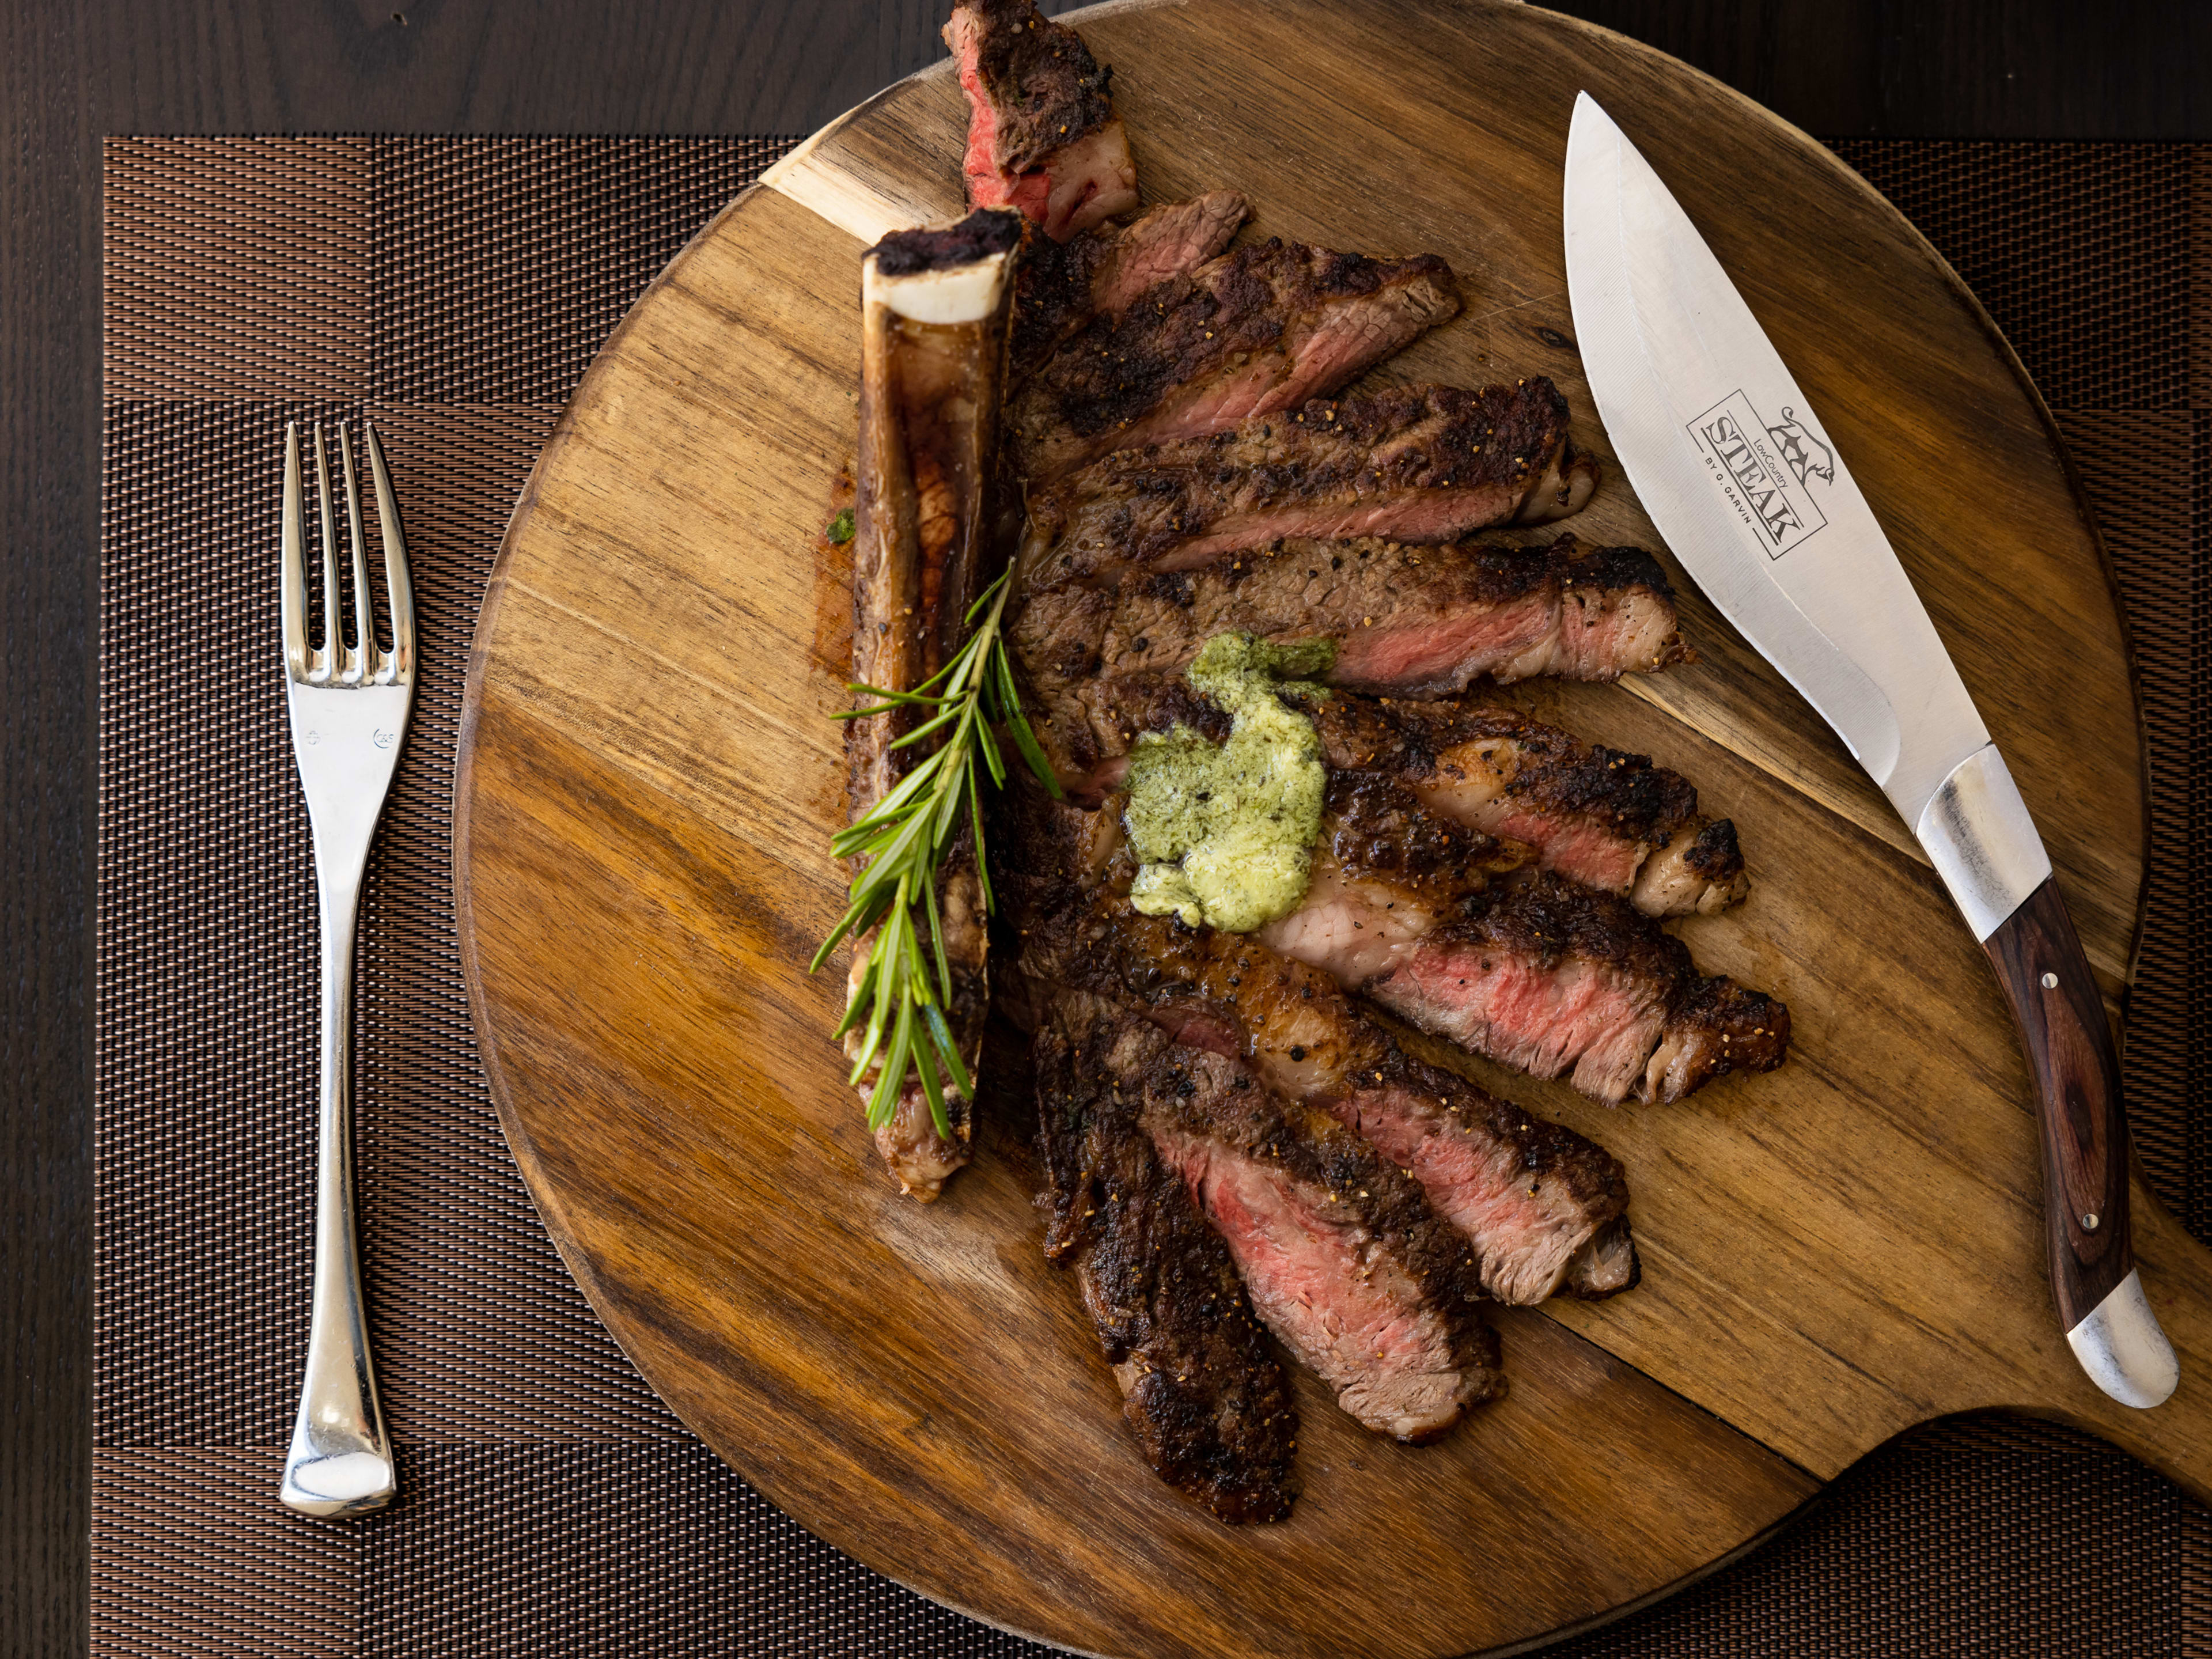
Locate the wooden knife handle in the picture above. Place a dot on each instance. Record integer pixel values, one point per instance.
(2061, 1017)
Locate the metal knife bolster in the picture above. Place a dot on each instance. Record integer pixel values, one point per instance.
(1977, 830)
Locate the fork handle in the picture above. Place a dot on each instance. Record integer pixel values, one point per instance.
(340, 1462)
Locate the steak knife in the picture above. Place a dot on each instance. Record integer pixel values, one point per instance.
(1730, 460)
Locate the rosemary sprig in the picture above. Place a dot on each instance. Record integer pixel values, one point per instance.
(898, 1004)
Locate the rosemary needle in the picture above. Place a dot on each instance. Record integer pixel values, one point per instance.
(904, 985)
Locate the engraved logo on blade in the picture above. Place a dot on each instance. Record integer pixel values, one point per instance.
(1807, 457)
(1765, 472)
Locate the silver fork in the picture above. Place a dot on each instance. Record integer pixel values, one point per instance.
(349, 707)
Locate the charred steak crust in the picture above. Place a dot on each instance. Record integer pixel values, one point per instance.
(982, 233)
(1373, 825)
(1436, 923)
(1554, 773)
(1201, 1388)
(1606, 817)
(1419, 464)
(1043, 84)
(1719, 1027)
(1284, 1015)
(1714, 853)
(1263, 327)
(1061, 286)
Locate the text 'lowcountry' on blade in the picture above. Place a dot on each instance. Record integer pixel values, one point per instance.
(1742, 478)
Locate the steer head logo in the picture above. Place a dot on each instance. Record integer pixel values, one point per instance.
(1803, 454)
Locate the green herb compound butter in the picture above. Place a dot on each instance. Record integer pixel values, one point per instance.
(1226, 830)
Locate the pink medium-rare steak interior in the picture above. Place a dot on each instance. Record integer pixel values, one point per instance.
(1552, 979)
(1360, 1325)
(1532, 1224)
(1407, 621)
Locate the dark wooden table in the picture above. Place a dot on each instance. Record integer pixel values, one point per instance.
(73, 73)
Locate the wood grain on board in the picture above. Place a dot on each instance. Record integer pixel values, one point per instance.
(1833, 1252)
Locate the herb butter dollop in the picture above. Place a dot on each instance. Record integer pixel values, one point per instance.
(1226, 830)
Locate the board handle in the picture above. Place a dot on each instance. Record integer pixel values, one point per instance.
(2060, 1016)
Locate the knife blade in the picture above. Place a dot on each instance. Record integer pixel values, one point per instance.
(1744, 481)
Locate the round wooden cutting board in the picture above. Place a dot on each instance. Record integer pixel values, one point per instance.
(1835, 1252)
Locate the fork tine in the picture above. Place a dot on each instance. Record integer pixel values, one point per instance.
(333, 643)
(364, 626)
(396, 585)
(293, 578)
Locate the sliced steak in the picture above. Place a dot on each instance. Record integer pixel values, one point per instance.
(1406, 621)
(1062, 286)
(1343, 1258)
(1260, 330)
(1604, 817)
(1201, 1385)
(1418, 464)
(1532, 971)
(1042, 136)
(929, 533)
(1411, 621)
(1553, 980)
(1544, 1209)
(1607, 818)
(1570, 979)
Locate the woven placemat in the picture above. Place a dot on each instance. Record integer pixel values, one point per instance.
(455, 289)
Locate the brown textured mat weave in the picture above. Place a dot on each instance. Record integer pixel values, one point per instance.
(456, 288)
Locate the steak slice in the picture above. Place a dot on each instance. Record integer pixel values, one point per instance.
(1398, 897)
(1552, 979)
(1604, 817)
(1409, 620)
(1260, 330)
(1201, 1385)
(1418, 464)
(1042, 136)
(1061, 286)
(1544, 1209)
(1343, 1258)
(1609, 819)
(929, 533)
